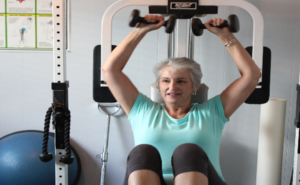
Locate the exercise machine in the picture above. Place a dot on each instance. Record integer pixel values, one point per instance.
(184, 11)
(178, 45)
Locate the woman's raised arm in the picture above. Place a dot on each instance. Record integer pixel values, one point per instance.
(118, 83)
(238, 91)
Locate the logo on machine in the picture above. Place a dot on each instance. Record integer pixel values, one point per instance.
(184, 5)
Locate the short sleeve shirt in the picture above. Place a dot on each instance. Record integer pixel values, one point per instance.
(203, 125)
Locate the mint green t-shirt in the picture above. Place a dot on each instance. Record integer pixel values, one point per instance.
(203, 125)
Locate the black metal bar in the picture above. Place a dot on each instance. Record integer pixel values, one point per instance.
(183, 9)
(183, 13)
(297, 119)
(60, 99)
(100, 94)
(261, 95)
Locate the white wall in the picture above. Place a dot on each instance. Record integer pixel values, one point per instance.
(26, 93)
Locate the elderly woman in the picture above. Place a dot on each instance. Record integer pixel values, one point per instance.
(177, 137)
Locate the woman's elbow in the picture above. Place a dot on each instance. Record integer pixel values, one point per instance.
(253, 74)
(103, 69)
(106, 67)
(254, 79)
(257, 74)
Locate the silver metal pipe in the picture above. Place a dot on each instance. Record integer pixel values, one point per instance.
(103, 170)
(104, 155)
(171, 45)
(191, 43)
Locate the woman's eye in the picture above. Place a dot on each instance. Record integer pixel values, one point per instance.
(165, 80)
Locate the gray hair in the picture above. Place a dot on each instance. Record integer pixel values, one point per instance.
(180, 64)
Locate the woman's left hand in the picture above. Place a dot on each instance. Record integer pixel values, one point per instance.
(212, 24)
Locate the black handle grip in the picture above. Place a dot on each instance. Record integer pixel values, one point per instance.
(143, 20)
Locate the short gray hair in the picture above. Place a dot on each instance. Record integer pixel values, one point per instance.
(180, 64)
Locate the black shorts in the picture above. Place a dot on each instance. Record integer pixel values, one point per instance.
(186, 157)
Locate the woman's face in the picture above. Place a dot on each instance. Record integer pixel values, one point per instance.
(176, 86)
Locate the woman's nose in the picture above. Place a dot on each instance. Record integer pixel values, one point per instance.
(172, 85)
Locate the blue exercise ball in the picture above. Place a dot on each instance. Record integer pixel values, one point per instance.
(20, 163)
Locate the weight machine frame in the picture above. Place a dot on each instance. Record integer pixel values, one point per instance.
(258, 26)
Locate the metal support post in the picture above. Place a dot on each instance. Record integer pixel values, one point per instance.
(181, 41)
(59, 86)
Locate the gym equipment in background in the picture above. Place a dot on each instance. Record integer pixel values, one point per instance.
(100, 93)
(60, 113)
(104, 155)
(20, 163)
(295, 178)
(103, 95)
(104, 98)
(261, 94)
(59, 109)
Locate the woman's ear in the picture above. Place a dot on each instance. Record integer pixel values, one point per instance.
(194, 90)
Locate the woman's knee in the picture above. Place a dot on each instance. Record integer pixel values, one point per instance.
(144, 149)
(188, 149)
(143, 159)
(188, 154)
(144, 153)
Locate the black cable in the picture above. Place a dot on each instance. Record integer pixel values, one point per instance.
(45, 157)
(67, 132)
(46, 131)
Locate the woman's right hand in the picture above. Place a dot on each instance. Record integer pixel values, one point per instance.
(149, 27)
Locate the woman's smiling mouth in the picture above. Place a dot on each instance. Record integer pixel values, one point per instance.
(173, 94)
